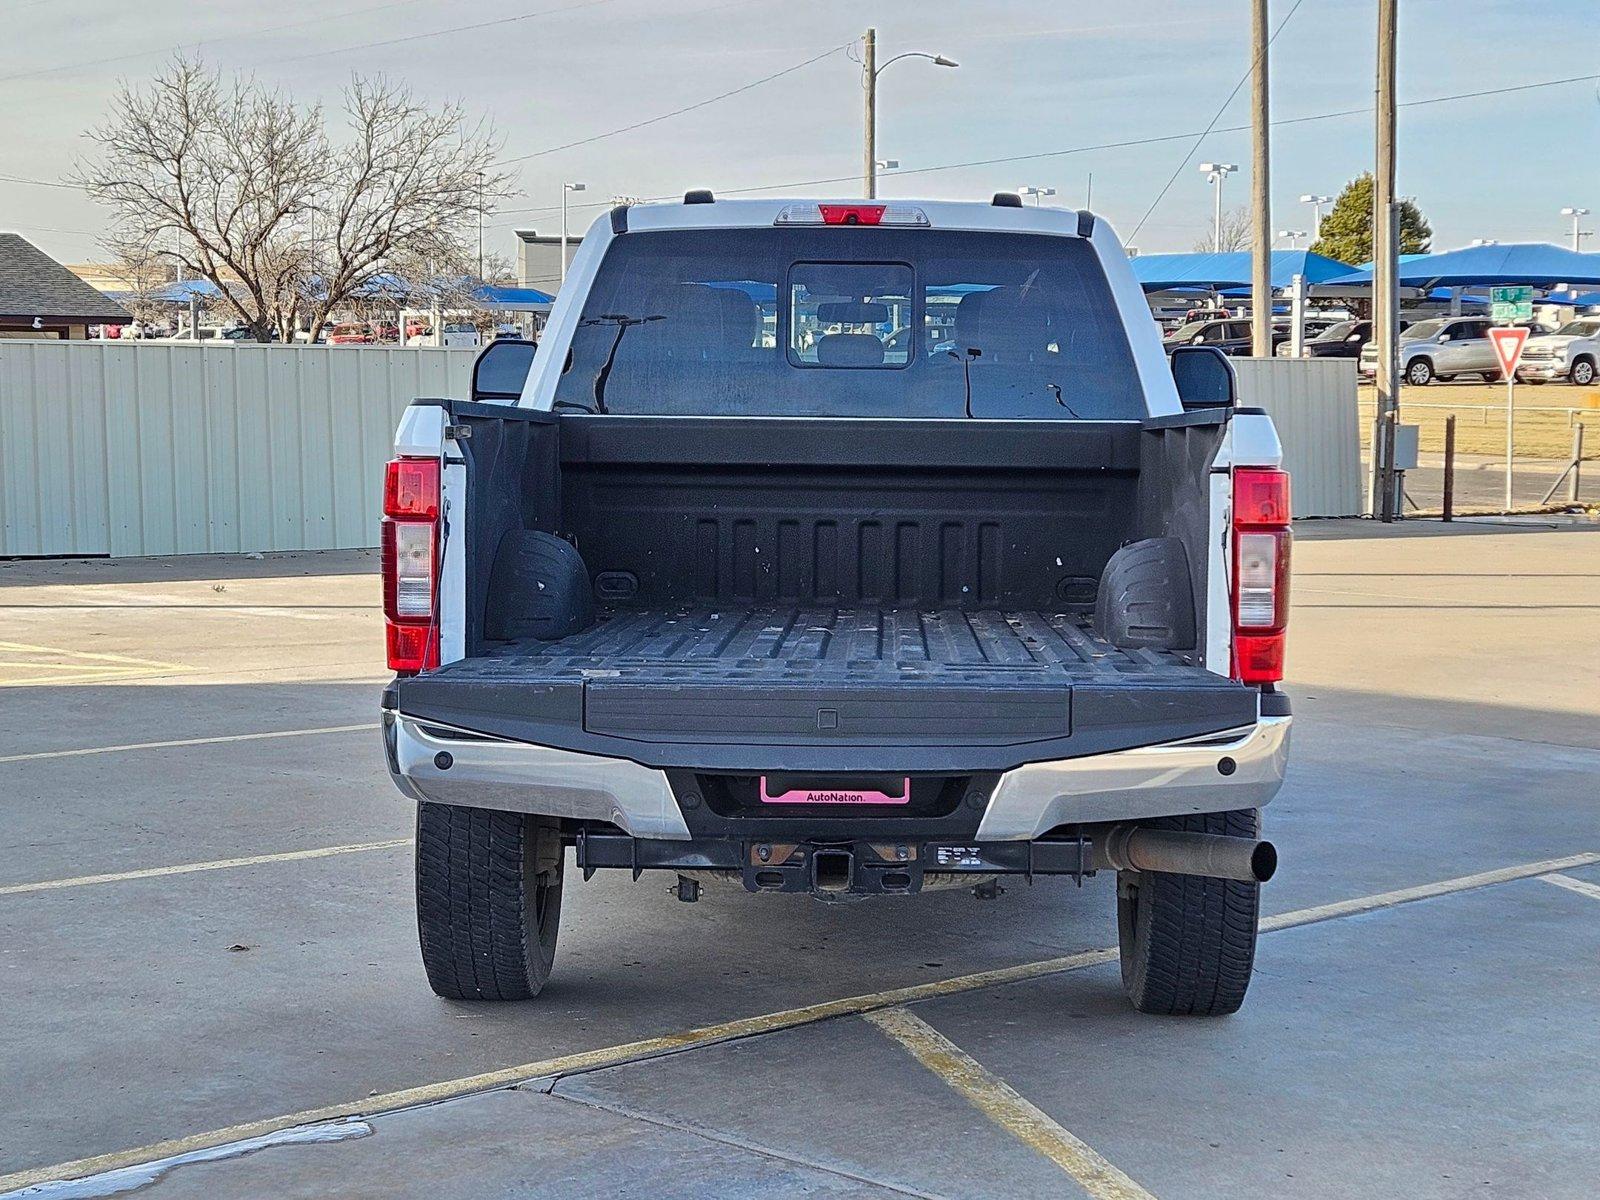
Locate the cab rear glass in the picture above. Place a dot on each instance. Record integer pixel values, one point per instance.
(845, 321)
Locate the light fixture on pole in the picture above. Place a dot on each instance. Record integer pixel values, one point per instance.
(888, 164)
(870, 70)
(1316, 203)
(565, 188)
(1577, 215)
(1036, 193)
(1294, 236)
(1215, 173)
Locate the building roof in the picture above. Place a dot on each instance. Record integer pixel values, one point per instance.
(32, 284)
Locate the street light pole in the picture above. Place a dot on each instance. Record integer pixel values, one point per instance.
(1036, 193)
(565, 188)
(1294, 236)
(1577, 215)
(1316, 203)
(1215, 173)
(870, 70)
(1260, 187)
(480, 231)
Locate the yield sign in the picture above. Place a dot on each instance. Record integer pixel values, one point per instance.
(1508, 342)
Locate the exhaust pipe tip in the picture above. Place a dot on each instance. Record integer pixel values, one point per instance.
(1264, 861)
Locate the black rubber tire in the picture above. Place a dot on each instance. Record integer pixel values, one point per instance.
(1188, 943)
(1419, 372)
(488, 901)
(1586, 367)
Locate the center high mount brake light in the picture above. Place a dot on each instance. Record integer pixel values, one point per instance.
(853, 214)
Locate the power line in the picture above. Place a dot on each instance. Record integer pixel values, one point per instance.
(1184, 162)
(1124, 144)
(229, 37)
(678, 112)
(417, 37)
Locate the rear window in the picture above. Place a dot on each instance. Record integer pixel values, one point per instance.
(844, 321)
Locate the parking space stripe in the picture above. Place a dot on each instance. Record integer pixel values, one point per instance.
(1581, 886)
(743, 1027)
(177, 742)
(221, 864)
(1445, 887)
(1005, 1106)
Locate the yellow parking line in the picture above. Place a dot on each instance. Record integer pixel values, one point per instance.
(220, 864)
(1462, 883)
(743, 1027)
(1581, 886)
(202, 741)
(1006, 1107)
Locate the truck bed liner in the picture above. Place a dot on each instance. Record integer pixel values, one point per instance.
(833, 645)
(850, 688)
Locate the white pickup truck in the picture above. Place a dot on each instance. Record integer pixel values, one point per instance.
(847, 548)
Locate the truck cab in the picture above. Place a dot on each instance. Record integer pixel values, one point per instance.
(848, 548)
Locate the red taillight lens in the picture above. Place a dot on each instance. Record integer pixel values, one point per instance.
(1261, 550)
(411, 488)
(410, 557)
(1260, 497)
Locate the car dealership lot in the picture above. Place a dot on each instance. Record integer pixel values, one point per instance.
(1419, 1040)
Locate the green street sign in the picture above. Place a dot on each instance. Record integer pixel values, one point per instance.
(1511, 304)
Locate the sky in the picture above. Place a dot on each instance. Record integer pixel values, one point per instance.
(1061, 82)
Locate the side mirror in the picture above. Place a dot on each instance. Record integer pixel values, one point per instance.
(1204, 378)
(501, 370)
(1197, 340)
(1444, 337)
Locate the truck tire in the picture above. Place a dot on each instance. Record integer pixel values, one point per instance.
(1419, 372)
(1188, 943)
(1582, 372)
(488, 900)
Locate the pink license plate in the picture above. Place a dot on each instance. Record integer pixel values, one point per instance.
(835, 795)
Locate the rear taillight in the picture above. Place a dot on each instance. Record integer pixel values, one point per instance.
(410, 553)
(1261, 544)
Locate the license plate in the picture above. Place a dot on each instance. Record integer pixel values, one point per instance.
(780, 789)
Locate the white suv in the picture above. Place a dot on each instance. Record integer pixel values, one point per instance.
(1569, 353)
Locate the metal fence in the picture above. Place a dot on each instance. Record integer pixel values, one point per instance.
(178, 448)
(1312, 401)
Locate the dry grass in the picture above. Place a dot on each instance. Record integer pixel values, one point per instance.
(1480, 411)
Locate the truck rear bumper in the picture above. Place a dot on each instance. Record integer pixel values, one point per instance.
(1236, 769)
(1216, 773)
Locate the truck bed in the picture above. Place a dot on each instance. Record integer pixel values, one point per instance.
(719, 687)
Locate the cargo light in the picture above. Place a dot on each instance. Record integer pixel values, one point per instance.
(409, 550)
(852, 214)
(1261, 545)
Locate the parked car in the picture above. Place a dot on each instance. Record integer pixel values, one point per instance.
(1341, 340)
(1569, 353)
(351, 333)
(1440, 349)
(1231, 336)
(786, 615)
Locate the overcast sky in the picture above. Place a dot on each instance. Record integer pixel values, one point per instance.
(1036, 78)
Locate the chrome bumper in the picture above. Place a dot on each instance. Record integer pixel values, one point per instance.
(445, 766)
(486, 772)
(1151, 781)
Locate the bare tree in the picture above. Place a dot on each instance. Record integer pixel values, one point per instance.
(1235, 232)
(246, 188)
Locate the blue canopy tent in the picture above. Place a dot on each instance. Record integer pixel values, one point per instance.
(516, 299)
(1534, 264)
(1169, 272)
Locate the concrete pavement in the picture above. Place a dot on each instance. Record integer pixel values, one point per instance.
(1445, 686)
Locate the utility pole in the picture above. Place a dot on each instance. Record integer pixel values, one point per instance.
(1385, 272)
(869, 69)
(1260, 189)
